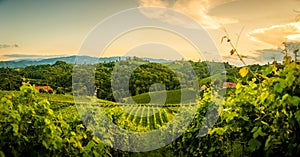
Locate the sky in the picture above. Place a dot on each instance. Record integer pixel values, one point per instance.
(43, 28)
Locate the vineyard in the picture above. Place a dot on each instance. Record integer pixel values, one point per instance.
(143, 116)
(261, 116)
(150, 78)
(146, 117)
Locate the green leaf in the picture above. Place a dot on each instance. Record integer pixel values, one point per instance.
(219, 131)
(290, 78)
(295, 100)
(15, 128)
(285, 96)
(279, 87)
(264, 123)
(254, 129)
(90, 145)
(297, 116)
(191, 149)
(73, 133)
(243, 71)
(47, 121)
(212, 149)
(258, 132)
(45, 144)
(267, 144)
(230, 116)
(253, 145)
(238, 85)
(2, 154)
(267, 71)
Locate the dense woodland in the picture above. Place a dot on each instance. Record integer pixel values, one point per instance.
(59, 76)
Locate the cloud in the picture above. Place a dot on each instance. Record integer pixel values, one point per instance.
(268, 55)
(197, 9)
(7, 57)
(153, 3)
(292, 46)
(275, 35)
(262, 56)
(234, 59)
(29, 56)
(3, 46)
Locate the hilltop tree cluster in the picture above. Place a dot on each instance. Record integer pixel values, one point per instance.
(59, 76)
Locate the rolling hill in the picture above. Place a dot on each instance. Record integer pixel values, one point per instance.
(22, 63)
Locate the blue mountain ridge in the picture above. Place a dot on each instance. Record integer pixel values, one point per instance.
(21, 63)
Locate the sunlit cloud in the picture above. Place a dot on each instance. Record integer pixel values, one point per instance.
(293, 37)
(3, 58)
(197, 9)
(153, 3)
(277, 34)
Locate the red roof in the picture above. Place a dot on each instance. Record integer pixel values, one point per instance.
(229, 85)
(45, 88)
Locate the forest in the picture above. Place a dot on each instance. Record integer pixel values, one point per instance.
(59, 75)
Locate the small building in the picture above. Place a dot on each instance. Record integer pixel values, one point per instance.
(203, 87)
(229, 85)
(176, 62)
(45, 88)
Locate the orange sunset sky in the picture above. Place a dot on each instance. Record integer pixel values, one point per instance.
(38, 29)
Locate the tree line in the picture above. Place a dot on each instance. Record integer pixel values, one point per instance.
(143, 74)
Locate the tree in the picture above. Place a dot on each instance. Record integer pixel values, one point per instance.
(60, 90)
(59, 63)
(42, 90)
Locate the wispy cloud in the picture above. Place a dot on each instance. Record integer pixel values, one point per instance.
(249, 59)
(3, 46)
(30, 56)
(6, 57)
(197, 9)
(275, 35)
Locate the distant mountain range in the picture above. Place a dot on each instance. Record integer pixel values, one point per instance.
(69, 59)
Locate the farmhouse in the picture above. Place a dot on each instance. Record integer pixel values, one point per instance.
(229, 85)
(45, 88)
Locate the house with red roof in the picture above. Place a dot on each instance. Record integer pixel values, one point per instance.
(229, 85)
(45, 88)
